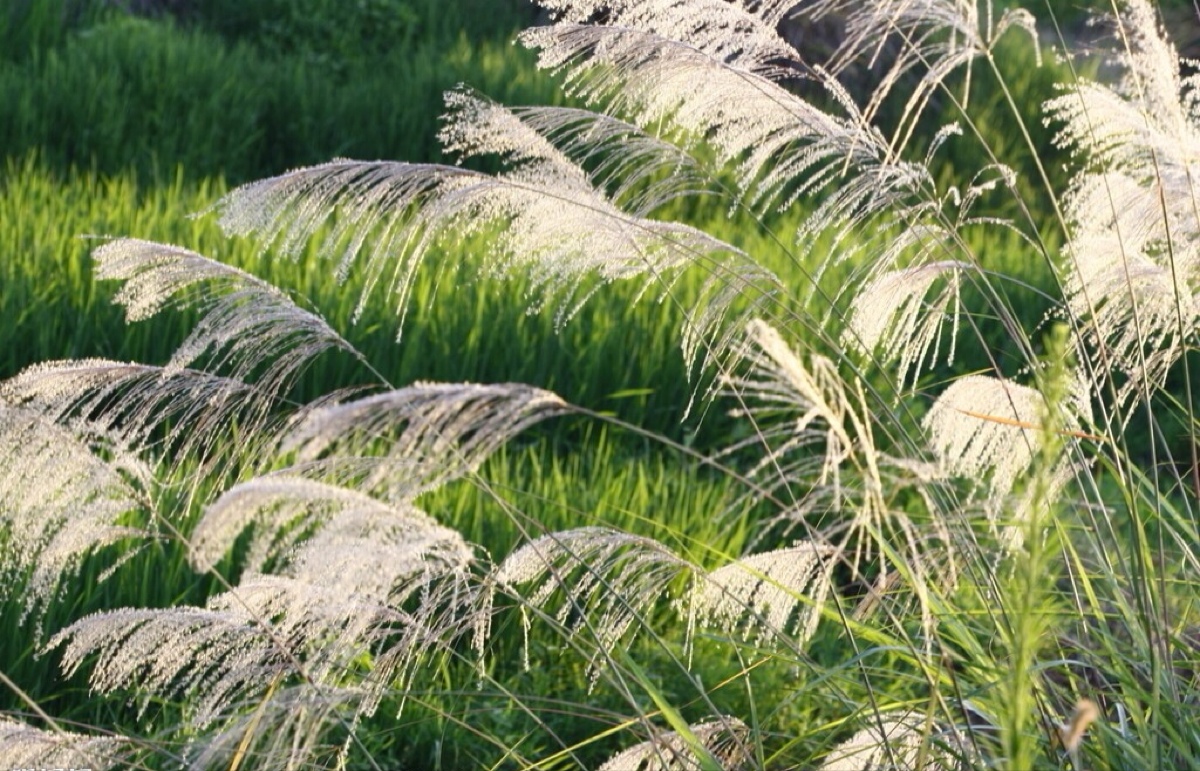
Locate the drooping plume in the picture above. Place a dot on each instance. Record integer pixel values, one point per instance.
(431, 432)
(249, 330)
(1133, 259)
(902, 741)
(989, 431)
(61, 499)
(156, 413)
(770, 594)
(592, 581)
(24, 746)
(723, 741)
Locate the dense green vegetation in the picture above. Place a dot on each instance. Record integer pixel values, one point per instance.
(223, 97)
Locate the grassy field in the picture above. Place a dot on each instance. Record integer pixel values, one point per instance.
(114, 124)
(117, 125)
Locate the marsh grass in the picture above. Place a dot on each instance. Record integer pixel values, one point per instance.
(898, 559)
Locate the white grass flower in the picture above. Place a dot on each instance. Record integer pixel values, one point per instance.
(637, 171)
(288, 728)
(723, 741)
(249, 330)
(892, 314)
(900, 743)
(817, 435)
(279, 628)
(935, 38)
(153, 413)
(557, 229)
(59, 502)
(286, 511)
(432, 432)
(24, 746)
(989, 431)
(1133, 259)
(741, 33)
(774, 593)
(593, 582)
(780, 146)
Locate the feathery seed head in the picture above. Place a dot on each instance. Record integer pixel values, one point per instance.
(724, 740)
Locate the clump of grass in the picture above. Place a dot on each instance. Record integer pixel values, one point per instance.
(112, 92)
(924, 570)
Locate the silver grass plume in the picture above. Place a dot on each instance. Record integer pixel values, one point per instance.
(413, 578)
(405, 588)
(216, 657)
(988, 430)
(1133, 264)
(779, 146)
(23, 746)
(249, 330)
(379, 477)
(813, 393)
(546, 218)
(556, 227)
(409, 550)
(816, 433)
(935, 37)
(768, 595)
(268, 630)
(739, 33)
(646, 63)
(60, 500)
(166, 413)
(638, 172)
(431, 432)
(364, 583)
(902, 742)
(597, 584)
(893, 315)
(353, 576)
(283, 510)
(289, 728)
(723, 741)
